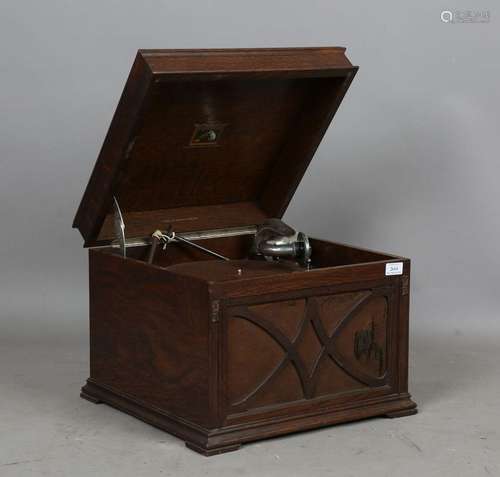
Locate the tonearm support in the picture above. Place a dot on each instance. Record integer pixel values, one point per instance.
(170, 236)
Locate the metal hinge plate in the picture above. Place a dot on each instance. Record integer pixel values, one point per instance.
(215, 311)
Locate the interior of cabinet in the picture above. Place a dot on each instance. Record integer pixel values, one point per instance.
(325, 254)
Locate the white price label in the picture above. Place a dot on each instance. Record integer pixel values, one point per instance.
(394, 268)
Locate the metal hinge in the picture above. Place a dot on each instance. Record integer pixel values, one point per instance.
(215, 311)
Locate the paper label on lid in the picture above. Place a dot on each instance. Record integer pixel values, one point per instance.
(394, 268)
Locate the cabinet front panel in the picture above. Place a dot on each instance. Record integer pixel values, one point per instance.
(304, 349)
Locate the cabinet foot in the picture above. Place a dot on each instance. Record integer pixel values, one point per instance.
(89, 397)
(403, 413)
(213, 450)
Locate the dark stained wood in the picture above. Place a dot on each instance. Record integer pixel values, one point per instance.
(211, 351)
(247, 62)
(333, 254)
(288, 366)
(166, 171)
(220, 353)
(134, 313)
(96, 201)
(178, 253)
(184, 219)
(322, 277)
(220, 440)
(306, 133)
(269, 107)
(326, 254)
(403, 331)
(402, 413)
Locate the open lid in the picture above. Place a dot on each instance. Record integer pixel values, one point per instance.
(211, 139)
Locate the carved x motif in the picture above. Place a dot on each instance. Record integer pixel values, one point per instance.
(311, 315)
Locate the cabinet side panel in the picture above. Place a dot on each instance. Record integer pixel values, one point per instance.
(149, 336)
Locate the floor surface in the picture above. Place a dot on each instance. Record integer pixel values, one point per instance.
(47, 430)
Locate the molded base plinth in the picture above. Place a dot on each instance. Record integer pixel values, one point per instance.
(225, 439)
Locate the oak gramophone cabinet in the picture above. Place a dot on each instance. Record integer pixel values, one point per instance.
(211, 143)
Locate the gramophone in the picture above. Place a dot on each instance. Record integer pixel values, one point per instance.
(208, 318)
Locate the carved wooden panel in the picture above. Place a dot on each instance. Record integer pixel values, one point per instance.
(306, 348)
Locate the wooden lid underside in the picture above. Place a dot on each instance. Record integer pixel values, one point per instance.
(208, 139)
